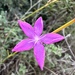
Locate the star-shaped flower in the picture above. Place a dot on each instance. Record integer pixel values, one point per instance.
(35, 40)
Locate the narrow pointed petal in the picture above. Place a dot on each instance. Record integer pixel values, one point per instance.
(39, 54)
(27, 28)
(38, 27)
(23, 45)
(51, 38)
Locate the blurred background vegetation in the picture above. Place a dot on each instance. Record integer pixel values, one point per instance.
(60, 57)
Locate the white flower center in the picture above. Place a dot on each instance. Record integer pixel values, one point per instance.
(36, 39)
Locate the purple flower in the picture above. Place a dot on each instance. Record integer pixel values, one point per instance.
(36, 40)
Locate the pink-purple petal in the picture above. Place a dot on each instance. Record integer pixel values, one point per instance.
(39, 54)
(23, 45)
(27, 28)
(38, 26)
(51, 38)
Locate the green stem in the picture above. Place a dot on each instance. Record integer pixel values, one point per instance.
(12, 54)
(39, 9)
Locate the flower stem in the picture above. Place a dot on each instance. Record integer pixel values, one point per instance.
(48, 3)
(12, 54)
(64, 26)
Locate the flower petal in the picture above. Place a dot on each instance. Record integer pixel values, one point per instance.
(23, 45)
(38, 27)
(52, 38)
(39, 54)
(27, 28)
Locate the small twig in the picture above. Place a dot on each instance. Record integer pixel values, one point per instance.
(39, 9)
(64, 26)
(4, 67)
(30, 3)
(31, 66)
(68, 44)
(50, 70)
(30, 9)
